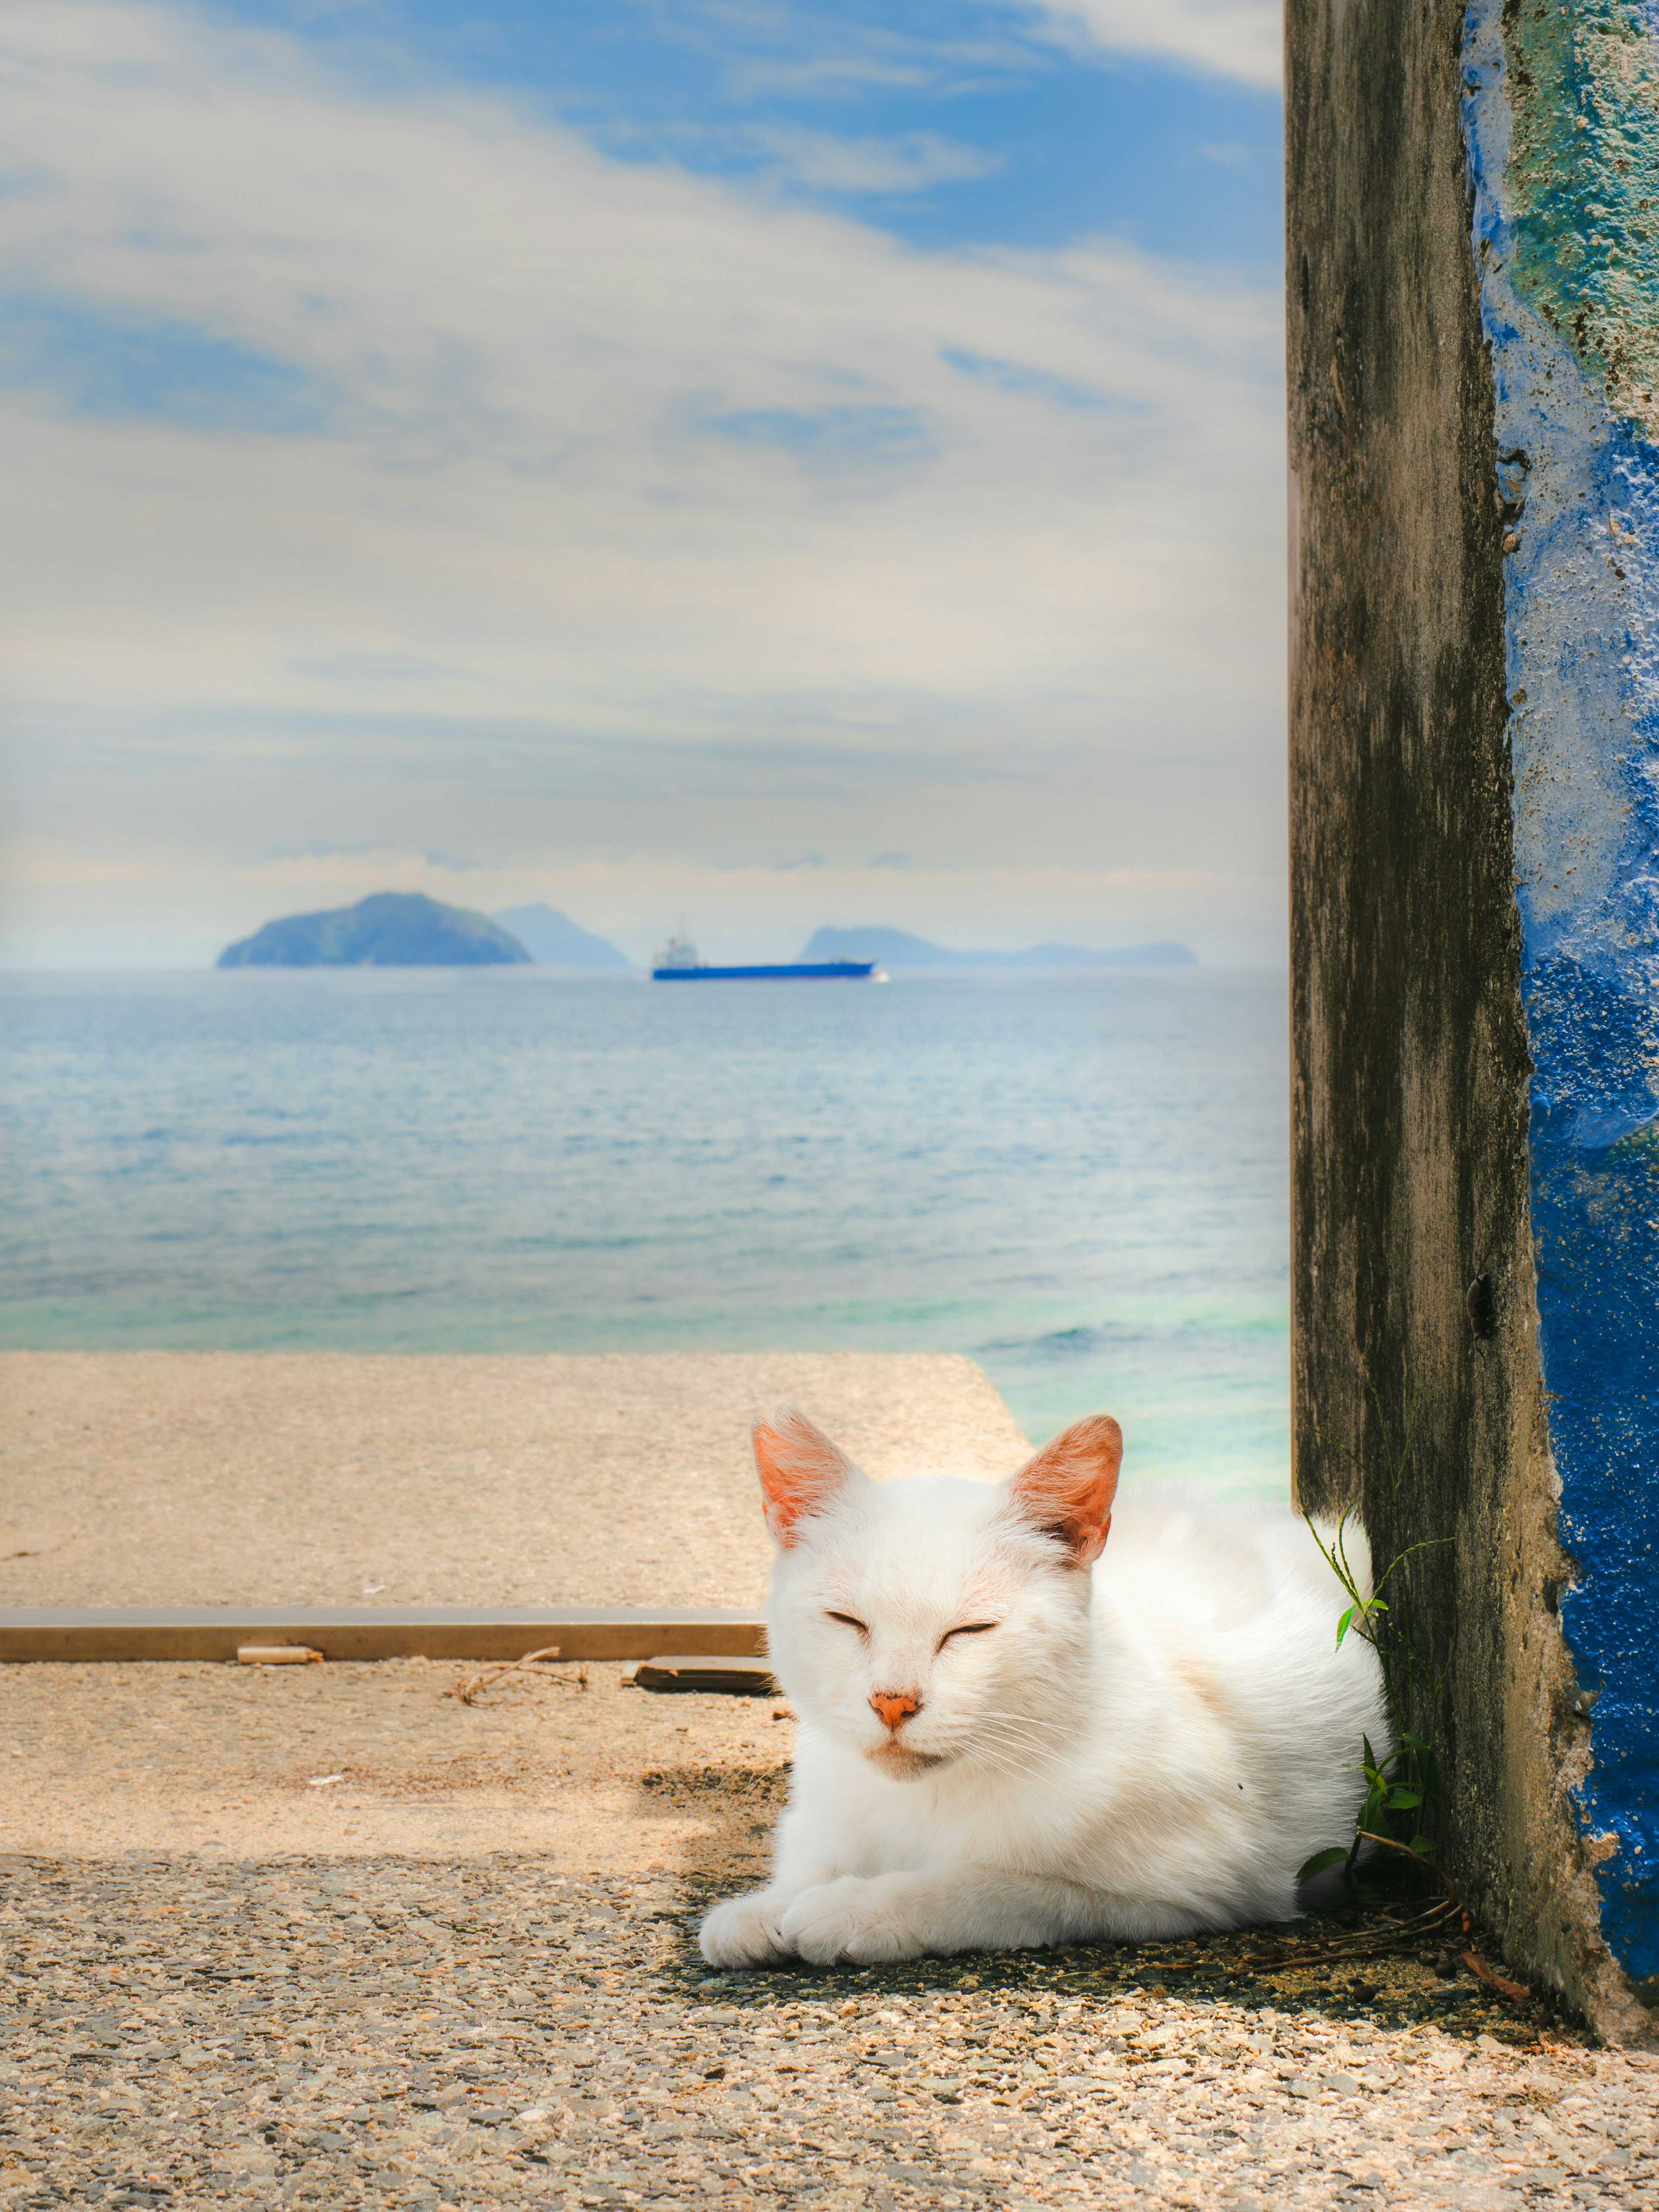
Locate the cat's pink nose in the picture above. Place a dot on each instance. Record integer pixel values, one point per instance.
(894, 1707)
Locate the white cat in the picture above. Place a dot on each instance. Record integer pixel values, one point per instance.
(1003, 1743)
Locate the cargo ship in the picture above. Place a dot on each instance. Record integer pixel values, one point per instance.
(677, 962)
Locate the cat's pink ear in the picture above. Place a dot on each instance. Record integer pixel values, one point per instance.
(1068, 1488)
(800, 1470)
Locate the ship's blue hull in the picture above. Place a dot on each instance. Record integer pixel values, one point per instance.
(817, 970)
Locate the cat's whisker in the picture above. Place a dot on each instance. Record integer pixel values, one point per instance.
(1024, 1716)
(1032, 1721)
(1027, 1769)
(1010, 1735)
(1004, 1780)
(1014, 1735)
(1025, 1732)
(1010, 1753)
(1035, 1755)
(976, 1741)
(1005, 1748)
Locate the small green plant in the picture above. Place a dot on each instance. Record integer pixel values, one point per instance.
(1402, 1787)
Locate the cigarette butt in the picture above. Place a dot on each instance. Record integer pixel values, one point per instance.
(277, 1654)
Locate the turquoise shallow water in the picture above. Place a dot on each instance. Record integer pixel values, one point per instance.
(1081, 1180)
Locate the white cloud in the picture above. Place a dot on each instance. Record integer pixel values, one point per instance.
(631, 514)
(1243, 39)
(819, 160)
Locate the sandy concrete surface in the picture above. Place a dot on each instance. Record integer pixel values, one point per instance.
(353, 1760)
(153, 1478)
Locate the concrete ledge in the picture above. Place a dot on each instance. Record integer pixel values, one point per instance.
(435, 1632)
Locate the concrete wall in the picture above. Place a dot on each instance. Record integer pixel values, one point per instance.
(1473, 354)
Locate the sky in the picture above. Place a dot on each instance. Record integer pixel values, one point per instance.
(754, 464)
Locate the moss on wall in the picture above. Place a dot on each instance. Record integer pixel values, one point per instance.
(1581, 90)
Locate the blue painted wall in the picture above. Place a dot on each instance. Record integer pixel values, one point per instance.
(1561, 122)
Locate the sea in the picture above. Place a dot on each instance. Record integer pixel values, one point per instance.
(1079, 1179)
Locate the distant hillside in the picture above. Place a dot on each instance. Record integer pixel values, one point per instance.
(895, 948)
(553, 940)
(390, 929)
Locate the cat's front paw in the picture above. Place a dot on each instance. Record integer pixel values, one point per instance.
(743, 1932)
(851, 1918)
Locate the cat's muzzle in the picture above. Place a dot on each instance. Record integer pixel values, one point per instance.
(903, 1763)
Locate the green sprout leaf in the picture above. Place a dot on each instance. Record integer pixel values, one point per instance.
(1334, 1856)
(1404, 1782)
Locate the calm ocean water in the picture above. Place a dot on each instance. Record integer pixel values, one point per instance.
(1081, 1180)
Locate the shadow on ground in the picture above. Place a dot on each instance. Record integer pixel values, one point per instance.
(736, 1807)
(1217, 1970)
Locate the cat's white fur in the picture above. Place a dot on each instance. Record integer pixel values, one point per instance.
(1150, 1741)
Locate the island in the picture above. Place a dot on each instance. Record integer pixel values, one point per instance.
(895, 948)
(389, 929)
(553, 940)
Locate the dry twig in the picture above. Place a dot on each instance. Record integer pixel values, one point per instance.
(1482, 1972)
(472, 1687)
(1373, 1942)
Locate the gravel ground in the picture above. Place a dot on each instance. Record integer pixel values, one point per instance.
(443, 2024)
(173, 1478)
(495, 2034)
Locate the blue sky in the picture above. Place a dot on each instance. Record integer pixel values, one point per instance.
(777, 464)
(945, 125)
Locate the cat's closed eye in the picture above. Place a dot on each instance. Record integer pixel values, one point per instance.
(968, 1628)
(847, 1621)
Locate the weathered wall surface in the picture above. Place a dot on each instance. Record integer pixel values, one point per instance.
(1562, 121)
(1474, 785)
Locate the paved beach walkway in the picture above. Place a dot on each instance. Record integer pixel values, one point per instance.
(166, 1478)
(330, 1937)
